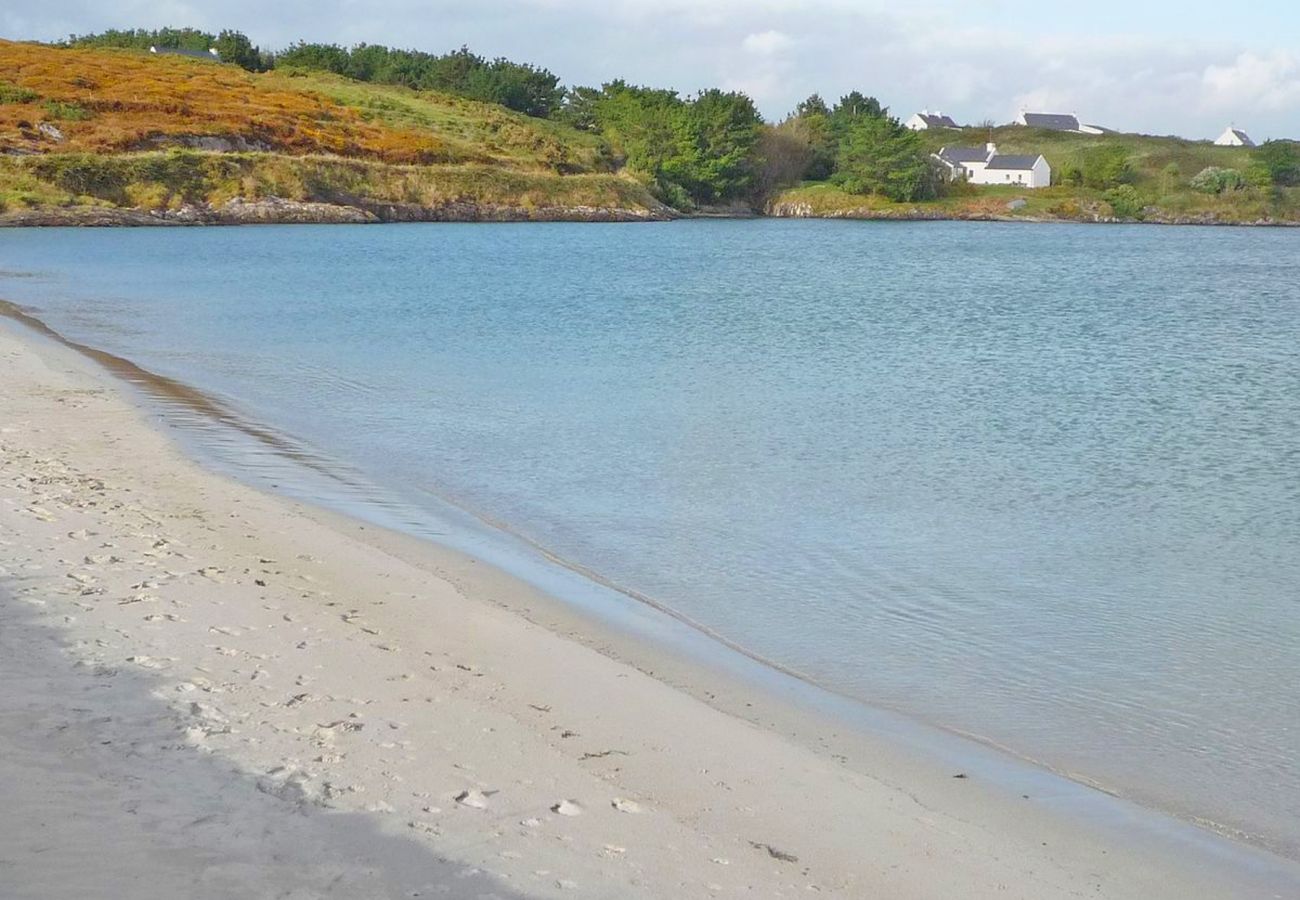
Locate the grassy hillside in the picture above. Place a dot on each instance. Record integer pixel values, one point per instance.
(1159, 171)
(127, 128)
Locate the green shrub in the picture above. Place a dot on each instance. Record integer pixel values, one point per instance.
(1124, 201)
(182, 173)
(69, 112)
(1281, 160)
(82, 174)
(1217, 180)
(12, 93)
(1106, 166)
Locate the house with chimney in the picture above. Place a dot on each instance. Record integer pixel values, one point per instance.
(985, 165)
(1234, 137)
(210, 55)
(926, 120)
(1056, 122)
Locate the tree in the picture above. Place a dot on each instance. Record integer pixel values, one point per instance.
(518, 86)
(235, 47)
(1124, 201)
(1281, 159)
(879, 156)
(1106, 166)
(717, 133)
(784, 155)
(640, 123)
(854, 105)
(320, 57)
(579, 109)
(810, 124)
(813, 106)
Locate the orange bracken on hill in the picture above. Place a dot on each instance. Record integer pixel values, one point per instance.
(122, 100)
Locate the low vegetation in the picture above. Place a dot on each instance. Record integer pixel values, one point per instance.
(99, 120)
(171, 179)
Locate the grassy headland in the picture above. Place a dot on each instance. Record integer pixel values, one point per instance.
(116, 128)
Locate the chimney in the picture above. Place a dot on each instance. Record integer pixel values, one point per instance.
(992, 148)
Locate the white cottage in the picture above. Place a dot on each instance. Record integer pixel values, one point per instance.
(1056, 122)
(1234, 137)
(925, 120)
(211, 55)
(988, 166)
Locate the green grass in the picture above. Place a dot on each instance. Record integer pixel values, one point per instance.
(12, 93)
(61, 111)
(506, 137)
(169, 179)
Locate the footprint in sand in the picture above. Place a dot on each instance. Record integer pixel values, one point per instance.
(472, 798)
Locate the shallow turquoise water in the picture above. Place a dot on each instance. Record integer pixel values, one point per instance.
(1041, 484)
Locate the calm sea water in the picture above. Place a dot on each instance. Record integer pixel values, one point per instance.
(1040, 484)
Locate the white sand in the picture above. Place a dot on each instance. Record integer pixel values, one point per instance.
(206, 691)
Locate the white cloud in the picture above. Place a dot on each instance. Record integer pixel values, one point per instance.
(766, 42)
(1254, 81)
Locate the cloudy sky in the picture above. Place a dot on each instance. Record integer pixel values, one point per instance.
(1157, 66)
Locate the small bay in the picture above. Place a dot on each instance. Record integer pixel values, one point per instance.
(1038, 484)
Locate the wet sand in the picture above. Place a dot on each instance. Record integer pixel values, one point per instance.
(209, 691)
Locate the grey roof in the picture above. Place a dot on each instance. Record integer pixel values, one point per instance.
(1051, 121)
(192, 54)
(963, 154)
(1009, 161)
(938, 121)
(1242, 136)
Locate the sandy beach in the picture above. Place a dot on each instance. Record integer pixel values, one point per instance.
(209, 691)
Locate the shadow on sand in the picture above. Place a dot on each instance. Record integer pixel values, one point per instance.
(101, 797)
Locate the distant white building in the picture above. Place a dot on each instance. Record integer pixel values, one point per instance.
(1234, 137)
(211, 55)
(1056, 122)
(925, 120)
(987, 166)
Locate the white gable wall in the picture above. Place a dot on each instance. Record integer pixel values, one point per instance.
(1230, 138)
(1039, 176)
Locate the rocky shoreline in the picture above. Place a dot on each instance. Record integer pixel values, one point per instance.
(803, 210)
(278, 211)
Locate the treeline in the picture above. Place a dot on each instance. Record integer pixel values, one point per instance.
(519, 86)
(855, 144)
(699, 150)
(715, 148)
(234, 46)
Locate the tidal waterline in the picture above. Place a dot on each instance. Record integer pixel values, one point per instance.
(1039, 484)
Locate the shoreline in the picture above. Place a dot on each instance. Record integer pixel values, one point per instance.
(276, 211)
(851, 792)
